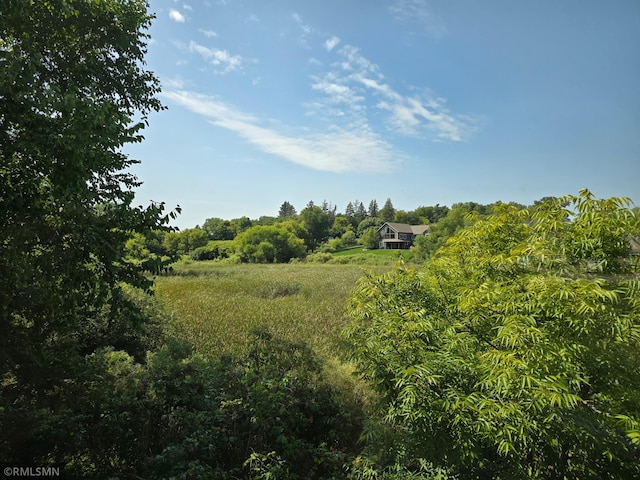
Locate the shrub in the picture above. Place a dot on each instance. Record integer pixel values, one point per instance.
(268, 244)
(369, 238)
(212, 251)
(319, 257)
(331, 246)
(513, 352)
(349, 238)
(266, 413)
(182, 415)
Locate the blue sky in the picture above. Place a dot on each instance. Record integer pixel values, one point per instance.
(423, 102)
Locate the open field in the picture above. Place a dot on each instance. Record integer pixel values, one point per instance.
(216, 305)
(380, 254)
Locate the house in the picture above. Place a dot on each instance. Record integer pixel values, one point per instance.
(399, 235)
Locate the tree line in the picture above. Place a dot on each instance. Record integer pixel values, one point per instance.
(293, 235)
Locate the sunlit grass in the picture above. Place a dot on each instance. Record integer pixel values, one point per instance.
(393, 255)
(215, 306)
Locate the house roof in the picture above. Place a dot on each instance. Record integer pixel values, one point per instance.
(406, 228)
(419, 229)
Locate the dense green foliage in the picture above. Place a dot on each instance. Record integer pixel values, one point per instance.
(369, 222)
(269, 413)
(369, 238)
(73, 91)
(513, 353)
(180, 415)
(448, 222)
(184, 242)
(268, 244)
(316, 223)
(214, 250)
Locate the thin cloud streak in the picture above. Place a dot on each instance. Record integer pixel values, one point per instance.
(338, 150)
(208, 33)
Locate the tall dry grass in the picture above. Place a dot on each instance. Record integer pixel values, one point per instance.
(215, 306)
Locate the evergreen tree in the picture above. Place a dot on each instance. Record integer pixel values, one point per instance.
(373, 208)
(330, 210)
(286, 211)
(349, 213)
(361, 212)
(388, 212)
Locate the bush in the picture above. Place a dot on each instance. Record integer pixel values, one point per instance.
(181, 415)
(269, 244)
(214, 250)
(369, 239)
(319, 257)
(331, 245)
(266, 413)
(513, 352)
(349, 239)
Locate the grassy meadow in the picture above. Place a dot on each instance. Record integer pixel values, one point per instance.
(216, 305)
(380, 255)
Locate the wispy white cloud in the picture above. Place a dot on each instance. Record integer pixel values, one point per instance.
(298, 19)
(253, 18)
(332, 88)
(352, 59)
(187, 7)
(208, 33)
(416, 117)
(176, 16)
(340, 100)
(335, 150)
(354, 79)
(418, 13)
(378, 87)
(331, 43)
(305, 29)
(220, 58)
(174, 83)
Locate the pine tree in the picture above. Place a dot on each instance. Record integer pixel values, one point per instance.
(388, 212)
(286, 210)
(361, 212)
(373, 208)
